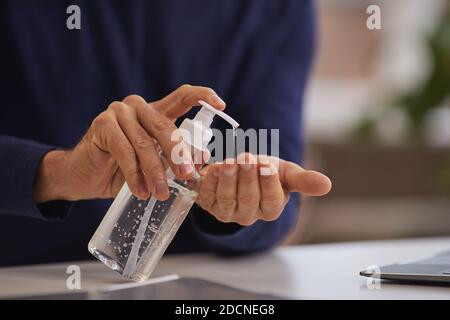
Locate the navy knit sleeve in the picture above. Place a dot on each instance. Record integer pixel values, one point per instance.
(268, 94)
(19, 160)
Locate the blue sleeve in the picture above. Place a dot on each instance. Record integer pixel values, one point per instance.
(268, 94)
(19, 160)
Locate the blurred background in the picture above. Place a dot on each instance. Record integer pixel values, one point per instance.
(377, 117)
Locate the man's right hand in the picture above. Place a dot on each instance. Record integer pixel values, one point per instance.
(122, 145)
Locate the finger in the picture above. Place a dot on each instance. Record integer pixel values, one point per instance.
(308, 182)
(168, 137)
(208, 187)
(248, 193)
(226, 190)
(184, 98)
(117, 183)
(205, 156)
(144, 146)
(273, 197)
(109, 137)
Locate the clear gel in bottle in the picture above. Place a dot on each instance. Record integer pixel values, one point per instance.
(134, 234)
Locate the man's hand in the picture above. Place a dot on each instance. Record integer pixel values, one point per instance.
(252, 189)
(122, 145)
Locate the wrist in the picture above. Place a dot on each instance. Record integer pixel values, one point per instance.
(49, 182)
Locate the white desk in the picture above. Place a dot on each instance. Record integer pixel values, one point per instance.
(327, 271)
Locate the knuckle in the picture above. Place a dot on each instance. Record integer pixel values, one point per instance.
(207, 203)
(270, 216)
(266, 182)
(161, 123)
(271, 206)
(133, 99)
(142, 141)
(184, 88)
(272, 201)
(223, 217)
(131, 173)
(205, 92)
(206, 195)
(117, 106)
(248, 200)
(155, 171)
(183, 93)
(128, 153)
(271, 209)
(203, 202)
(245, 220)
(102, 120)
(227, 204)
(150, 109)
(177, 137)
(207, 189)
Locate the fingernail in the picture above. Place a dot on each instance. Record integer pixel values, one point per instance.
(216, 99)
(161, 187)
(229, 161)
(229, 171)
(142, 189)
(268, 171)
(186, 169)
(215, 171)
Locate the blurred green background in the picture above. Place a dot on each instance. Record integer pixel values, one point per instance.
(377, 118)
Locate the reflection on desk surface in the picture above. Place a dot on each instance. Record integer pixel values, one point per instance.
(177, 289)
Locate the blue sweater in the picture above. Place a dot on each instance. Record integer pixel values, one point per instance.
(54, 81)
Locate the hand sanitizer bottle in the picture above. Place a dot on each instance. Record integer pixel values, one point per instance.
(134, 234)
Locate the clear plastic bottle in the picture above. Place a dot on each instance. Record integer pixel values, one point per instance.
(134, 234)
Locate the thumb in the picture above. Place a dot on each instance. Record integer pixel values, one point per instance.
(295, 179)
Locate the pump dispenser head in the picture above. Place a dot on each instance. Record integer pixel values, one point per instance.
(207, 113)
(197, 132)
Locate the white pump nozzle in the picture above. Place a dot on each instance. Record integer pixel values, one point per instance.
(207, 114)
(197, 131)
